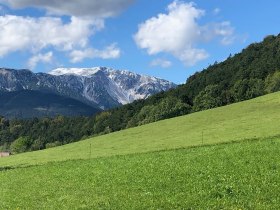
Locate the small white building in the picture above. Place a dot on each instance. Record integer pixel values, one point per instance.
(4, 154)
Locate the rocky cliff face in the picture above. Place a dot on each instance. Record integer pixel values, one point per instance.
(99, 87)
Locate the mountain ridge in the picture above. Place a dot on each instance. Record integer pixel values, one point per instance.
(100, 87)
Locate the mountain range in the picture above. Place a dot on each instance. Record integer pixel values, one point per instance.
(88, 90)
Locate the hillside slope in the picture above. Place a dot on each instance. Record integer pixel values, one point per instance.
(257, 118)
(29, 104)
(241, 76)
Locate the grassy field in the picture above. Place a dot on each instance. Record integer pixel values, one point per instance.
(256, 118)
(189, 162)
(242, 175)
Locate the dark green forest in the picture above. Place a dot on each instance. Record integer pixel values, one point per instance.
(251, 73)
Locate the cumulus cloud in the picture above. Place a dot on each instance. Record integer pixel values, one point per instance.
(110, 52)
(170, 32)
(226, 31)
(161, 63)
(43, 58)
(93, 8)
(34, 34)
(191, 56)
(178, 33)
(222, 29)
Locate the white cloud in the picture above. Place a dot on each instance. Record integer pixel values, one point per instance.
(161, 62)
(178, 33)
(34, 34)
(110, 52)
(224, 30)
(79, 55)
(216, 11)
(43, 58)
(93, 8)
(192, 56)
(170, 32)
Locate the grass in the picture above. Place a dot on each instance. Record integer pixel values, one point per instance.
(162, 165)
(243, 175)
(257, 118)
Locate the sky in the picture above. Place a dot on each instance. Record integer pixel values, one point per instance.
(169, 39)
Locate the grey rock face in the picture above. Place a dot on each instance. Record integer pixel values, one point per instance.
(99, 87)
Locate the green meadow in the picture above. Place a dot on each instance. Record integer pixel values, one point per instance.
(242, 175)
(224, 158)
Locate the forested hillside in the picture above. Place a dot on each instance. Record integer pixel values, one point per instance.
(253, 72)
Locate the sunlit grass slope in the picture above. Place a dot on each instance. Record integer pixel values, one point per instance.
(255, 118)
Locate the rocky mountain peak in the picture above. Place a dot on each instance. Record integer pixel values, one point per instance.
(98, 86)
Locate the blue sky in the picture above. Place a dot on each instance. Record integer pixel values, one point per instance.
(163, 38)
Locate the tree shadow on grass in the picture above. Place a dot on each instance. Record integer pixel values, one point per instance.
(6, 168)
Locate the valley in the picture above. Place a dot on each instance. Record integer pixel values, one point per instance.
(135, 105)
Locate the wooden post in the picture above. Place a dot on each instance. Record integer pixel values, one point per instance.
(90, 150)
(202, 137)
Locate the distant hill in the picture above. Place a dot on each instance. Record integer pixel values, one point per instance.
(28, 104)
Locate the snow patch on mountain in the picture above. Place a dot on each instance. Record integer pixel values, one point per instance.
(122, 85)
(86, 72)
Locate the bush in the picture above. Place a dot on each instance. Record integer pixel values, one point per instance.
(20, 145)
(272, 82)
(53, 144)
(209, 98)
